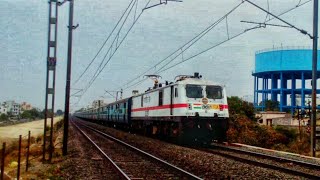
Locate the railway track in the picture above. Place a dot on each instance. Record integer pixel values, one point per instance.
(283, 164)
(129, 161)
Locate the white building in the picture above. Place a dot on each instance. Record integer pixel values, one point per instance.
(270, 118)
(98, 103)
(3, 109)
(13, 108)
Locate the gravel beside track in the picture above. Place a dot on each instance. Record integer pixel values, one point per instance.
(84, 161)
(293, 156)
(291, 168)
(277, 160)
(134, 164)
(202, 164)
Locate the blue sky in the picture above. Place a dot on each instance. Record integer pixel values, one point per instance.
(159, 32)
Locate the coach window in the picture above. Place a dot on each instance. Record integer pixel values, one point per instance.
(175, 92)
(160, 98)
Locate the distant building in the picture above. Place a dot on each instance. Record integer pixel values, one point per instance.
(25, 106)
(97, 103)
(3, 109)
(12, 107)
(270, 118)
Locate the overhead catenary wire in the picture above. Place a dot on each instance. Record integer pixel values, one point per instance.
(90, 83)
(191, 57)
(235, 36)
(111, 55)
(189, 43)
(276, 17)
(111, 46)
(258, 26)
(104, 43)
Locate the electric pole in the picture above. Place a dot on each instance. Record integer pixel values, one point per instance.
(314, 78)
(68, 80)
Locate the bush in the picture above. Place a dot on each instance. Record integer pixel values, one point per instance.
(244, 130)
(291, 134)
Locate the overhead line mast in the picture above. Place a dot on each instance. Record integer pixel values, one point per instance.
(51, 77)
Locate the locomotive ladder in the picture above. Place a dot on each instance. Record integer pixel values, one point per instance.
(50, 82)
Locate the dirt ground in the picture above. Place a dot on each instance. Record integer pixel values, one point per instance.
(9, 133)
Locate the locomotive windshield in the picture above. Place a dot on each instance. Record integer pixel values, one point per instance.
(214, 92)
(194, 91)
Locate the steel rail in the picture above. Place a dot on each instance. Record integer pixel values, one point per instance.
(261, 164)
(273, 157)
(183, 172)
(123, 174)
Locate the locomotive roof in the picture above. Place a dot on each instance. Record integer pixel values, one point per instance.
(197, 81)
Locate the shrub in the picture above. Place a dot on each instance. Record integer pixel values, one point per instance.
(244, 130)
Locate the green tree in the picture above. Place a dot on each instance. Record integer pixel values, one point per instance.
(4, 117)
(241, 107)
(34, 113)
(42, 113)
(271, 105)
(59, 112)
(31, 114)
(26, 115)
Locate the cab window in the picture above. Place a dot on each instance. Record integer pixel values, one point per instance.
(194, 91)
(214, 92)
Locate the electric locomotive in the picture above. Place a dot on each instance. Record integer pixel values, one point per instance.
(190, 109)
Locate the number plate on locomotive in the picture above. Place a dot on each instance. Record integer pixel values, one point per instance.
(214, 106)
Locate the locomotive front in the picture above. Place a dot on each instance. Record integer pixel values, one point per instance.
(206, 116)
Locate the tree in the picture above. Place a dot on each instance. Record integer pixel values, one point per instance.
(271, 105)
(4, 117)
(48, 115)
(26, 115)
(31, 114)
(239, 106)
(59, 112)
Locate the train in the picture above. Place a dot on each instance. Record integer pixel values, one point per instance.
(191, 109)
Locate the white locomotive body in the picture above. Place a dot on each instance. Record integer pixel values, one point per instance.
(192, 97)
(191, 108)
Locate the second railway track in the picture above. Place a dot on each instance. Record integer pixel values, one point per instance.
(294, 167)
(131, 162)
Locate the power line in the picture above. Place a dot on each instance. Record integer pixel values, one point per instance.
(110, 48)
(255, 27)
(276, 17)
(192, 41)
(235, 36)
(104, 43)
(111, 55)
(201, 35)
